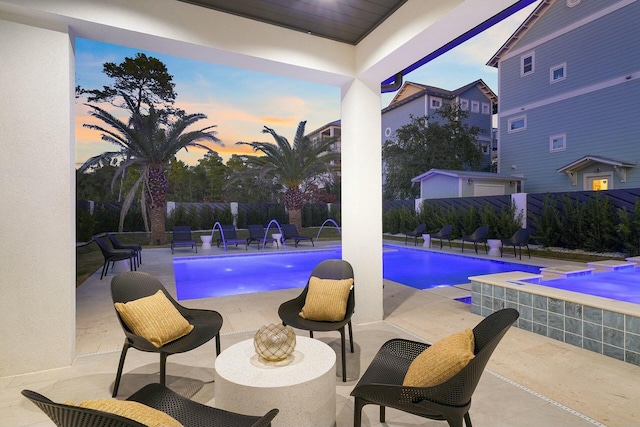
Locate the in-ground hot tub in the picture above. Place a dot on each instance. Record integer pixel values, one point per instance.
(598, 323)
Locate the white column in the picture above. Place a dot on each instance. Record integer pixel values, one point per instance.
(520, 200)
(37, 189)
(362, 195)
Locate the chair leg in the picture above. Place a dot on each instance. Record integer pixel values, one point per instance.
(382, 413)
(103, 269)
(528, 251)
(350, 335)
(344, 356)
(116, 384)
(310, 334)
(163, 368)
(467, 420)
(218, 344)
(357, 412)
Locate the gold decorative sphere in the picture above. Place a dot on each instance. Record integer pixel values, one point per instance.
(274, 342)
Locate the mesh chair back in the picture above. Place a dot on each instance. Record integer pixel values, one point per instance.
(487, 334)
(521, 236)
(229, 232)
(73, 416)
(182, 233)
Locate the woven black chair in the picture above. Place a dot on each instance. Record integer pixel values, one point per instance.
(290, 232)
(130, 286)
(228, 237)
(131, 246)
(186, 411)
(444, 233)
(478, 236)
(520, 238)
(330, 269)
(256, 234)
(381, 384)
(182, 238)
(419, 231)
(112, 255)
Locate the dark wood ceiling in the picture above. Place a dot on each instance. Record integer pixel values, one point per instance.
(347, 21)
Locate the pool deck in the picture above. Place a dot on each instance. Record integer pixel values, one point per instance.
(531, 380)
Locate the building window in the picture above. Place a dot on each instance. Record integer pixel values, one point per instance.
(464, 104)
(527, 64)
(387, 132)
(435, 102)
(558, 73)
(486, 108)
(557, 143)
(517, 124)
(475, 107)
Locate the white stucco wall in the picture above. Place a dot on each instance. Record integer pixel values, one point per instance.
(37, 189)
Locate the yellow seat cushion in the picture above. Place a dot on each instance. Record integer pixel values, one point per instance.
(133, 410)
(441, 361)
(154, 318)
(326, 299)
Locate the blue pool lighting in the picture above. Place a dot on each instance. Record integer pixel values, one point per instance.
(204, 277)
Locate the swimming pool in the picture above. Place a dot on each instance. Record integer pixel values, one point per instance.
(204, 277)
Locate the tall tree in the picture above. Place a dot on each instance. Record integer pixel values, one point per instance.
(438, 141)
(293, 165)
(149, 145)
(243, 183)
(145, 80)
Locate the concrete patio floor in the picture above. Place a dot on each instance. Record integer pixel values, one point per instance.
(531, 380)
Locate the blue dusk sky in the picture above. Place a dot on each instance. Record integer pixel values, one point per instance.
(241, 102)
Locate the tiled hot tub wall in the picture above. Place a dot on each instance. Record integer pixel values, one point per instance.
(602, 331)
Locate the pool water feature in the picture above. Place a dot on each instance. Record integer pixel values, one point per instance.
(212, 276)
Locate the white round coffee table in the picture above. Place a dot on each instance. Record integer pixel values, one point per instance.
(302, 387)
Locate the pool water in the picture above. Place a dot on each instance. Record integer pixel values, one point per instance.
(204, 277)
(621, 285)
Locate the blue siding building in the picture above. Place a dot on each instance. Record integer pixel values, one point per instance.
(569, 84)
(414, 99)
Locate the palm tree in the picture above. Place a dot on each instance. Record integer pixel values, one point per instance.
(292, 166)
(148, 145)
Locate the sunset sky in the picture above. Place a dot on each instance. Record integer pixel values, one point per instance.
(241, 102)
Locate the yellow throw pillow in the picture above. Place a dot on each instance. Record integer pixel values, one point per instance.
(441, 361)
(133, 410)
(326, 299)
(154, 318)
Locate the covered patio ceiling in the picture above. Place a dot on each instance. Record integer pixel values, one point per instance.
(346, 21)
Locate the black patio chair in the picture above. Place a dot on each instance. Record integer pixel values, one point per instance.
(381, 384)
(117, 245)
(520, 238)
(444, 233)
(478, 236)
(186, 411)
(417, 232)
(112, 255)
(131, 286)
(256, 234)
(335, 269)
(228, 237)
(182, 238)
(290, 232)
